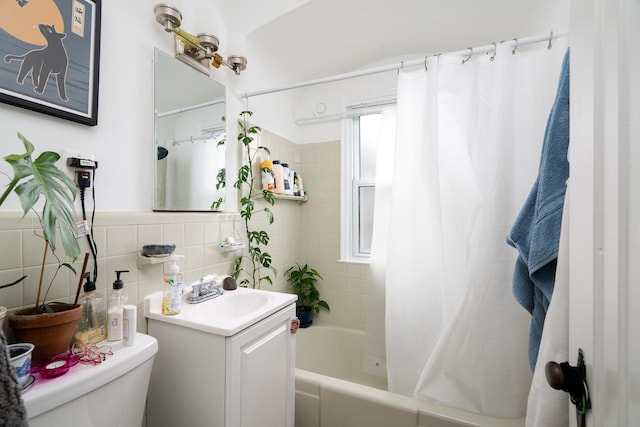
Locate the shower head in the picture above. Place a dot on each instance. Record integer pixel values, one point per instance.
(162, 153)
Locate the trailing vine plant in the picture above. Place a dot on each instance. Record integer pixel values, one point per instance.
(258, 263)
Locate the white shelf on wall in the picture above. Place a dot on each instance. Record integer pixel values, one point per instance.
(147, 260)
(294, 198)
(230, 247)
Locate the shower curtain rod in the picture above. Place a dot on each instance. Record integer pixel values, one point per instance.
(191, 107)
(515, 43)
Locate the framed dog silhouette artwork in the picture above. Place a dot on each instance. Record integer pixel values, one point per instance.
(50, 57)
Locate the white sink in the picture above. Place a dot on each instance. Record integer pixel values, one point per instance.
(225, 315)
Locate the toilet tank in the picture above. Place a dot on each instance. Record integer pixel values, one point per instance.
(112, 393)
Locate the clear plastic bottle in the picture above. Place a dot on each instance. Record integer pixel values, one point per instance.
(91, 327)
(172, 292)
(117, 300)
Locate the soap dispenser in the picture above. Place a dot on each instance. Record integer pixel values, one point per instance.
(172, 292)
(91, 327)
(117, 300)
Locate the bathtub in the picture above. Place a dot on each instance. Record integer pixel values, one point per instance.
(332, 390)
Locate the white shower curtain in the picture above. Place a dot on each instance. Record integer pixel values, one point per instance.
(467, 147)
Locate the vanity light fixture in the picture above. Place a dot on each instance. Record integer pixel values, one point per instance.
(197, 51)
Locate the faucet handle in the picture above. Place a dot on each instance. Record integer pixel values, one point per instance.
(195, 289)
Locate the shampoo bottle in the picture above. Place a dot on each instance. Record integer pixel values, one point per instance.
(285, 179)
(278, 176)
(91, 327)
(172, 293)
(117, 300)
(268, 181)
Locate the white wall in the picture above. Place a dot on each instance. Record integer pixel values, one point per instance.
(122, 142)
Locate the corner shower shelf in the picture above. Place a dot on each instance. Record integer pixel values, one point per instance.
(293, 198)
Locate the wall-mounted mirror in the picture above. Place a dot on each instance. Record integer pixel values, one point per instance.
(189, 123)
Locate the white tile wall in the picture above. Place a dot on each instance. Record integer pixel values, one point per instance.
(302, 232)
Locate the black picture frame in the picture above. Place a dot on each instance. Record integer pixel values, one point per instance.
(33, 46)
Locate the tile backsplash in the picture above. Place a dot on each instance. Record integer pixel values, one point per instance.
(302, 232)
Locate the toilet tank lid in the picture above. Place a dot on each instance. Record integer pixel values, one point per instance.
(45, 395)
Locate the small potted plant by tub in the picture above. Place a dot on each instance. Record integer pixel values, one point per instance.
(40, 180)
(303, 281)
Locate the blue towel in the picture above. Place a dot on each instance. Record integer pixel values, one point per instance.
(536, 231)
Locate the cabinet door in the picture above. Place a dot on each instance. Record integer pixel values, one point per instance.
(261, 369)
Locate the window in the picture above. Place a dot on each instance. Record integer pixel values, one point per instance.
(360, 146)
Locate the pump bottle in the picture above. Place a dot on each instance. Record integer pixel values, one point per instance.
(172, 293)
(91, 327)
(117, 300)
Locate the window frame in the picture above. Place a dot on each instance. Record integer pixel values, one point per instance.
(350, 155)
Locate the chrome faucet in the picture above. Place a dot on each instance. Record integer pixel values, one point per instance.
(204, 289)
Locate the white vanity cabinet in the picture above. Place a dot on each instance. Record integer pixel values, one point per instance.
(242, 379)
(260, 364)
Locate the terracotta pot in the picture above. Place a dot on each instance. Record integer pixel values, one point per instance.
(50, 333)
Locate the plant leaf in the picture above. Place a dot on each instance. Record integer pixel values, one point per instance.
(44, 179)
(221, 179)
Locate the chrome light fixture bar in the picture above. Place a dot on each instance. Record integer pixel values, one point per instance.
(197, 51)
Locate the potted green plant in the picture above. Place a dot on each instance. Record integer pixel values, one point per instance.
(34, 181)
(303, 281)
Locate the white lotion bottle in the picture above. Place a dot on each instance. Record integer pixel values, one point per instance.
(115, 309)
(129, 319)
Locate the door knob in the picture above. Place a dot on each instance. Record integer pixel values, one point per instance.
(572, 379)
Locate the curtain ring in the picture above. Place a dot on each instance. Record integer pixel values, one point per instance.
(549, 46)
(495, 50)
(401, 67)
(426, 65)
(515, 47)
(464, 61)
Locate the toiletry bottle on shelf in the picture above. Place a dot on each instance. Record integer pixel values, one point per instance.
(297, 190)
(300, 186)
(268, 181)
(285, 179)
(117, 300)
(91, 327)
(278, 176)
(172, 292)
(292, 183)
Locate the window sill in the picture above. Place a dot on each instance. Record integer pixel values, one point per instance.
(355, 260)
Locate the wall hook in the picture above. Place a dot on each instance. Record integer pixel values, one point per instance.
(464, 61)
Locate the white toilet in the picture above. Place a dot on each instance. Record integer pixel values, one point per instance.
(112, 393)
